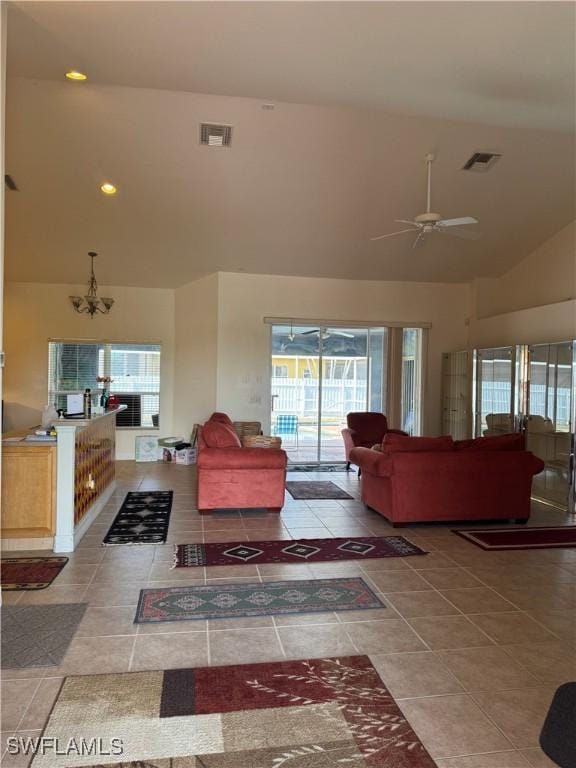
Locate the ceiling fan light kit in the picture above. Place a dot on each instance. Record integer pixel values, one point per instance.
(429, 222)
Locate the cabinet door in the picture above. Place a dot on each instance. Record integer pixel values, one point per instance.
(28, 491)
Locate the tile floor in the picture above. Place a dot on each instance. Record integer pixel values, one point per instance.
(472, 643)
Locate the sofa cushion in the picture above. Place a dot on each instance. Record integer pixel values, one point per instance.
(222, 418)
(511, 442)
(247, 458)
(219, 435)
(394, 443)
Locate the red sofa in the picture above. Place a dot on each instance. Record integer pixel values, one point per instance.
(232, 477)
(415, 480)
(365, 429)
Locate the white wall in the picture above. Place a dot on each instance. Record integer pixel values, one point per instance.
(533, 302)
(243, 384)
(34, 313)
(196, 313)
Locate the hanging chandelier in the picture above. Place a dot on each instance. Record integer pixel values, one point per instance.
(90, 303)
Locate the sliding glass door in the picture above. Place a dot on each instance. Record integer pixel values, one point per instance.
(494, 391)
(319, 374)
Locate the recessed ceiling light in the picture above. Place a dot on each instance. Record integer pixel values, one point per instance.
(73, 74)
(108, 189)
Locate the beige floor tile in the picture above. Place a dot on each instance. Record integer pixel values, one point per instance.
(392, 636)
(399, 581)
(21, 759)
(67, 593)
(93, 655)
(243, 646)
(385, 564)
(417, 674)
(507, 628)
(520, 713)
(411, 604)
(452, 725)
(312, 641)
(125, 573)
(512, 759)
(486, 669)
(432, 560)
(298, 619)
(450, 578)
(112, 594)
(477, 600)
(100, 621)
(170, 651)
(445, 632)
(370, 614)
(42, 703)
(224, 571)
(16, 697)
(562, 624)
(553, 661)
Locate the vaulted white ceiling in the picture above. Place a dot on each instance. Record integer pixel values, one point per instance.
(362, 92)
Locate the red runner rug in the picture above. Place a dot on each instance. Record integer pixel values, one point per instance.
(522, 538)
(23, 573)
(293, 551)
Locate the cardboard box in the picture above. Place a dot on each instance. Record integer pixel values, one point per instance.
(169, 442)
(186, 456)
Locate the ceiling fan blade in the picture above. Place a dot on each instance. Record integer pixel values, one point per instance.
(306, 333)
(405, 221)
(463, 234)
(392, 234)
(344, 334)
(457, 222)
(419, 240)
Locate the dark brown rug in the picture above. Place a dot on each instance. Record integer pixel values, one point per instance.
(521, 538)
(23, 573)
(317, 489)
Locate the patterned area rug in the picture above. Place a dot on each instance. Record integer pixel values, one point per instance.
(254, 599)
(318, 489)
(521, 538)
(316, 467)
(38, 635)
(143, 519)
(293, 551)
(316, 713)
(23, 573)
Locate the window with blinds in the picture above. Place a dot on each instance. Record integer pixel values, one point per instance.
(134, 369)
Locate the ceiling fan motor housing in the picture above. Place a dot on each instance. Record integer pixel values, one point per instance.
(428, 218)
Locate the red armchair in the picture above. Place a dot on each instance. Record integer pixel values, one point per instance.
(365, 429)
(232, 477)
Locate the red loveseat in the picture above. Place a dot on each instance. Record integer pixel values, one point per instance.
(365, 429)
(232, 477)
(416, 480)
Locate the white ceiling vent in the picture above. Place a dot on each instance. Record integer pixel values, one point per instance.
(215, 135)
(480, 162)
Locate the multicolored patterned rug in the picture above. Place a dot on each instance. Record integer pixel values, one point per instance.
(293, 551)
(254, 599)
(38, 635)
(318, 489)
(23, 573)
(317, 713)
(143, 519)
(521, 538)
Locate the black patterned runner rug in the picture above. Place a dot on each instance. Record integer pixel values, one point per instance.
(143, 519)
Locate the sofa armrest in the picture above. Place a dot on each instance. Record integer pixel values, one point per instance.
(397, 432)
(373, 462)
(242, 458)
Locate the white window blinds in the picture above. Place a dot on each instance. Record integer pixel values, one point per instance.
(134, 369)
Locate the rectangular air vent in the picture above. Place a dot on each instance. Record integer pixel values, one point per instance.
(215, 135)
(481, 161)
(10, 183)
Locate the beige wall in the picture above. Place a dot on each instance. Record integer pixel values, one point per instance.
(533, 302)
(243, 386)
(34, 313)
(196, 313)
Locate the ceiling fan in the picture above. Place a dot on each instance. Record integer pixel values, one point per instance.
(326, 334)
(427, 223)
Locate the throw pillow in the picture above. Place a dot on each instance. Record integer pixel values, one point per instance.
(222, 418)
(218, 435)
(512, 442)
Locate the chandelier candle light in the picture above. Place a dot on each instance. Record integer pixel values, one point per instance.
(90, 303)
